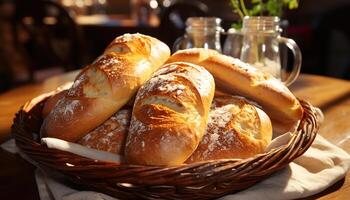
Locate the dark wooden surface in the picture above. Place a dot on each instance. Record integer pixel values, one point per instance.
(331, 95)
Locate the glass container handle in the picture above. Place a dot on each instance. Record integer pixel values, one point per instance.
(297, 59)
(180, 41)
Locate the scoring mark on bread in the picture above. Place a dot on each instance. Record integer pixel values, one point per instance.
(164, 101)
(201, 80)
(221, 116)
(118, 48)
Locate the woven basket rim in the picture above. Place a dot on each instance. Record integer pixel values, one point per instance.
(201, 180)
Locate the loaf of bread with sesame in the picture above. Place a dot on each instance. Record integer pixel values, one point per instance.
(104, 86)
(170, 115)
(236, 129)
(235, 77)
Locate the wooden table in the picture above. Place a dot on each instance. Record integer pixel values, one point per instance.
(331, 95)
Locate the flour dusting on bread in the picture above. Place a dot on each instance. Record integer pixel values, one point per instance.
(170, 115)
(66, 109)
(234, 130)
(109, 136)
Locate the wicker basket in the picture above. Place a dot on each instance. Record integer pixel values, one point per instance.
(204, 180)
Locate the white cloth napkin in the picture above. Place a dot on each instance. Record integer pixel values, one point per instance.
(321, 166)
(78, 149)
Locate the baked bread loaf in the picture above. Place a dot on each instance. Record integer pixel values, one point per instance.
(103, 87)
(236, 129)
(235, 77)
(170, 115)
(52, 101)
(54, 97)
(110, 136)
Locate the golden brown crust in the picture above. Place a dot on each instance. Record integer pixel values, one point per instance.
(52, 101)
(235, 77)
(54, 97)
(110, 136)
(236, 129)
(103, 87)
(170, 115)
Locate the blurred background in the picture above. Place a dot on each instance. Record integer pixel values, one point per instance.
(41, 38)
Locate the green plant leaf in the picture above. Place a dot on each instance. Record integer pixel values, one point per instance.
(256, 10)
(293, 4)
(262, 7)
(274, 7)
(237, 25)
(236, 8)
(243, 8)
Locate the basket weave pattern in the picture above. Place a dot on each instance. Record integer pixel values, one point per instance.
(203, 180)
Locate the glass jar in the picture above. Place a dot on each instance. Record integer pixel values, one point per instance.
(260, 47)
(201, 32)
(233, 43)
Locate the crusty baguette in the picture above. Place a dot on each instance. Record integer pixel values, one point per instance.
(52, 101)
(54, 96)
(170, 115)
(235, 77)
(236, 129)
(110, 136)
(103, 87)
